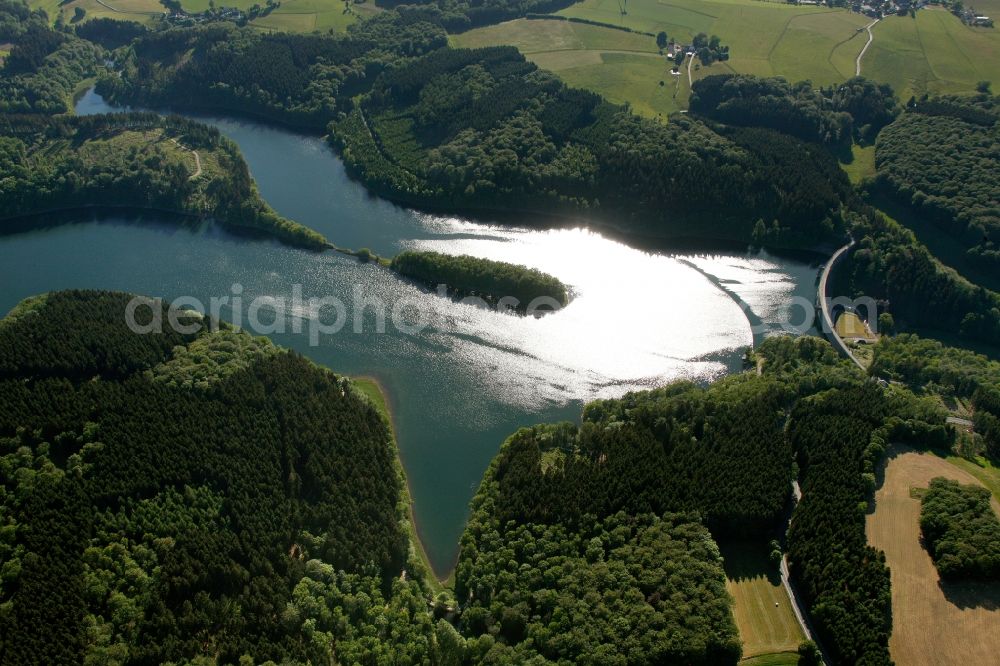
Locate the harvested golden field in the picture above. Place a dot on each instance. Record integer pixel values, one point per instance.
(933, 624)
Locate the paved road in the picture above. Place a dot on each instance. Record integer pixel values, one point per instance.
(955, 420)
(824, 304)
(857, 64)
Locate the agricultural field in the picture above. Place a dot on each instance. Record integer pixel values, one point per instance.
(765, 38)
(622, 66)
(933, 623)
(141, 11)
(932, 53)
(291, 16)
(763, 612)
(298, 15)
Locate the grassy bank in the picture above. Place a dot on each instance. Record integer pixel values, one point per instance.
(373, 390)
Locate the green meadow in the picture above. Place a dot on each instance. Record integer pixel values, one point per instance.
(765, 38)
(140, 11)
(622, 66)
(933, 53)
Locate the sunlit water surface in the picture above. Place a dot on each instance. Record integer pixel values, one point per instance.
(472, 376)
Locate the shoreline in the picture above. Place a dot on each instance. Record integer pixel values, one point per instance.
(370, 384)
(22, 222)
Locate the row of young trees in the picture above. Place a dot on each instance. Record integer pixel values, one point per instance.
(961, 531)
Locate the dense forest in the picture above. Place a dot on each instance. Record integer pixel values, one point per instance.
(839, 426)
(490, 280)
(961, 531)
(844, 581)
(145, 519)
(556, 559)
(718, 451)
(298, 80)
(139, 160)
(44, 66)
(223, 483)
(622, 589)
(110, 33)
(840, 437)
(890, 263)
(941, 159)
(559, 500)
(920, 362)
(856, 109)
(485, 130)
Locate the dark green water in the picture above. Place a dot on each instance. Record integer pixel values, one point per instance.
(460, 386)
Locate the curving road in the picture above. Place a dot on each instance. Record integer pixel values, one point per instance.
(871, 37)
(824, 306)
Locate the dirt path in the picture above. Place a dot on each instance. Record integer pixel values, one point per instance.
(197, 159)
(871, 38)
(197, 165)
(933, 623)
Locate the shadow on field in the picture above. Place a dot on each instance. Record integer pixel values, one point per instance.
(747, 560)
(972, 595)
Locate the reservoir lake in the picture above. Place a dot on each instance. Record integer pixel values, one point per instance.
(463, 383)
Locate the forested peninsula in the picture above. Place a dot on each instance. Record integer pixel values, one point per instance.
(133, 160)
(169, 496)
